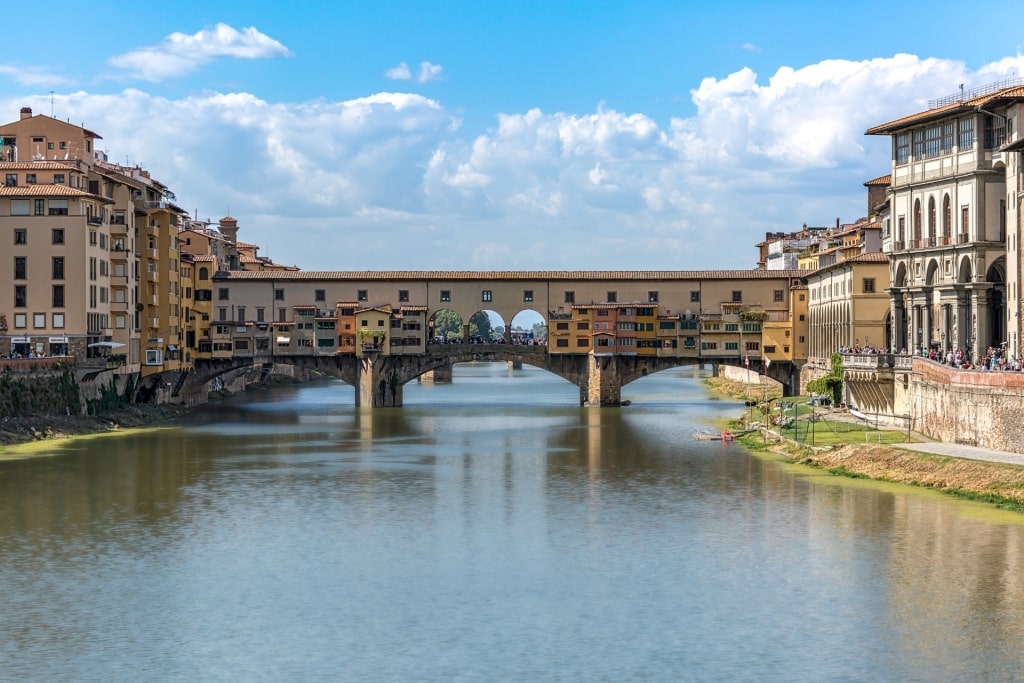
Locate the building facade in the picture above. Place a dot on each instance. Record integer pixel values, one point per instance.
(950, 206)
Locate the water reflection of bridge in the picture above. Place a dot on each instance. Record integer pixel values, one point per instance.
(379, 378)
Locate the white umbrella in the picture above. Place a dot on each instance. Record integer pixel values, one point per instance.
(104, 344)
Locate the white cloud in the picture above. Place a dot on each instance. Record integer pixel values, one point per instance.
(179, 53)
(429, 72)
(33, 76)
(390, 181)
(750, 47)
(399, 73)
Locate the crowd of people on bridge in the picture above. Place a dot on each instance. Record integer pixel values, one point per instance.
(475, 339)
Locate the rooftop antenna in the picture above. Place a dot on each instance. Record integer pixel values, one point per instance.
(961, 91)
(51, 104)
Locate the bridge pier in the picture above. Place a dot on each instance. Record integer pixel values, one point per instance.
(380, 385)
(603, 384)
(441, 375)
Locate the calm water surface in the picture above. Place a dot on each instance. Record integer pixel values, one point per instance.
(490, 530)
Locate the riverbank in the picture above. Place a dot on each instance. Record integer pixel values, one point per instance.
(999, 483)
(19, 430)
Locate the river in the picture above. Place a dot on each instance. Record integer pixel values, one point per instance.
(490, 530)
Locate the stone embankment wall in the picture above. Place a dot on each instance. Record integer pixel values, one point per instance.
(51, 391)
(969, 407)
(735, 373)
(811, 371)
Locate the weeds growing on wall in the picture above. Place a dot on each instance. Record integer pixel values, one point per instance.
(24, 395)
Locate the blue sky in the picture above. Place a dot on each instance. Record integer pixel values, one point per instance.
(503, 136)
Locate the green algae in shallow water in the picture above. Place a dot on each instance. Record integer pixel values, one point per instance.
(44, 448)
(971, 508)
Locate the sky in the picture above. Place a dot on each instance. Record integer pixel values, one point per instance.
(503, 135)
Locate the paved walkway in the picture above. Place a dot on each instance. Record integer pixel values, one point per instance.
(970, 452)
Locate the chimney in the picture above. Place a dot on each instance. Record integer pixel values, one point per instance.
(26, 112)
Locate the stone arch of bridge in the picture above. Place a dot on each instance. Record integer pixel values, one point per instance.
(409, 368)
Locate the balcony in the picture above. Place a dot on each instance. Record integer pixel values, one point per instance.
(152, 276)
(867, 361)
(94, 220)
(119, 306)
(899, 246)
(962, 238)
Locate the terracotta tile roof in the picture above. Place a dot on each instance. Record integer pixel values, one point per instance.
(597, 307)
(520, 275)
(46, 191)
(880, 180)
(869, 257)
(34, 165)
(204, 257)
(968, 105)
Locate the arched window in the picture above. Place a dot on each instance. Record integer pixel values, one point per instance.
(947, 220)
(917, 222)
(204, 274)
(931, 218)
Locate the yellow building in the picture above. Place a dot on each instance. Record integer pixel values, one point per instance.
(848, 306)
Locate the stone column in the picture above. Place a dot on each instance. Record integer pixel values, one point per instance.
(897, 321)
(979, 319)
(378, 384)
(963, 319)
(604, 387)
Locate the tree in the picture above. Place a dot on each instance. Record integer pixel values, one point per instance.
(831, 384)
(480, 325)
(540, 330)
(448, 324)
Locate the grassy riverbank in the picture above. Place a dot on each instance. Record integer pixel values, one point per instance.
(842, 451)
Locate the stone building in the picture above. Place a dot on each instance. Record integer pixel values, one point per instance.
(954, 268)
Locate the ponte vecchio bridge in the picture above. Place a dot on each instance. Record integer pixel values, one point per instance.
(375, 330)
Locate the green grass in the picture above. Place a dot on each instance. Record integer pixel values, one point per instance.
(991, 498)
(843, 472)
